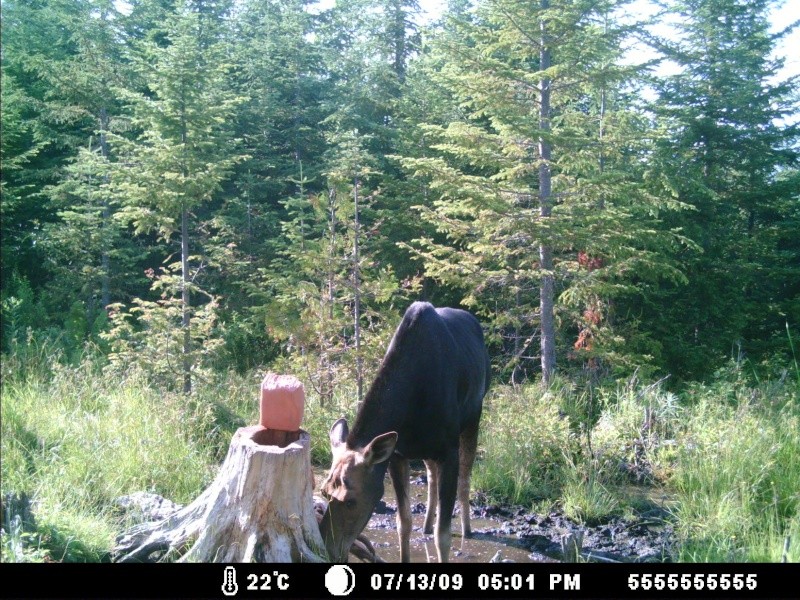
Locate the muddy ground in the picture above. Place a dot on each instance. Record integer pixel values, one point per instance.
(523, 536)
(501, 532)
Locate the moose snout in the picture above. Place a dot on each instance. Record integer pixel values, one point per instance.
(336, 543)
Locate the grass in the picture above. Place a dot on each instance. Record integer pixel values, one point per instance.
(737, 479)
(521, 446)
(74, 440)
(585, 497)
(726, 454)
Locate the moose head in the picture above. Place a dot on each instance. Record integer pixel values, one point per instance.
(352, 488)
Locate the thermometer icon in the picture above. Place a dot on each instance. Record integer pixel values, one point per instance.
(229, 585)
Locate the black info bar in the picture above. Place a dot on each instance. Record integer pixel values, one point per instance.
(502, 580)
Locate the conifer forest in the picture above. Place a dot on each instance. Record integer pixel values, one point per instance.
(199, 191)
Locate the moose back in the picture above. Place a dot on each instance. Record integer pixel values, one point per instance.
(425, 403)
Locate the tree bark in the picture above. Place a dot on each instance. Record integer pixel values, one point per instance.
(105, 259)
(357, 297)
(259, 508)
(547, 285)
(185, 303)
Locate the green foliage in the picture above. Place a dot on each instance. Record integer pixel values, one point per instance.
(725, 455)
(79, 438)
(585, 497)
(484, 174)
(148, 335)
(18, 545)
(317, 169)
(533, 466)
(180, 157)
(736, 479)
(727, 152)
(257, 125)
(21, 312)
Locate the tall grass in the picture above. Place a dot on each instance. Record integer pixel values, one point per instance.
(726, 454)
(76, 440)
(521, 446)
(737, 477)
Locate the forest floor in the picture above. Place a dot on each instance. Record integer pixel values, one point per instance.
(506, 532)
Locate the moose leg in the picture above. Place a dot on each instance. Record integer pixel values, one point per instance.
(466, 457)
(398, 469)
(433, 495)
(448, 480)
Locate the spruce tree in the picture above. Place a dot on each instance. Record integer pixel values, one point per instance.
(531, 178)
(726, 156)
(183, 153)
(40, 114)
(86, 83)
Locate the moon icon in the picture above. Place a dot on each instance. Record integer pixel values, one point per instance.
(340, 580)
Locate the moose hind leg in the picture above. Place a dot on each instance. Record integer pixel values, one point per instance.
(448, 481)
(398, 469)
(433, 495)
(467, 449)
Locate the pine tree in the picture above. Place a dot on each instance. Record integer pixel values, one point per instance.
(727, 147)
(183, 154)
(531, 178)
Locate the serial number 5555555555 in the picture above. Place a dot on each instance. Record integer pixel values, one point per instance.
(694, 582)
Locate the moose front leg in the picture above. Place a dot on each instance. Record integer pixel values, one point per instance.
(448, 481)
(433, 495)
(398, 469)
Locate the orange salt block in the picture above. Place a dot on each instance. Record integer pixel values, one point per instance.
(282, 401)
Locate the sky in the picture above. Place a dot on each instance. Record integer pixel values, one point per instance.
(785, 15)
(788, 13)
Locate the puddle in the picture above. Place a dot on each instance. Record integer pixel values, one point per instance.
(480, 548)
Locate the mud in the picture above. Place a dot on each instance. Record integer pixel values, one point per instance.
(514, 534)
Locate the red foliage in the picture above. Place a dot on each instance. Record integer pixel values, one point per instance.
(584, 341)
(590, 263)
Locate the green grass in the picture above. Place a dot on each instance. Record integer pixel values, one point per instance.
(585, 497)
(725, 455)
(521, 446)
(76, 440)
(737, 481)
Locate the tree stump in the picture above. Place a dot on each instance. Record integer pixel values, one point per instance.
(258, 509)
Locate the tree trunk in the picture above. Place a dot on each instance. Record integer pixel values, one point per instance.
(185, 303)
(259, 508)
(357, 297)
(105, 292)
(547, 286)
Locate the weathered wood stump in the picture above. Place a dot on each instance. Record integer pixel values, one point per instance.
(258, 509)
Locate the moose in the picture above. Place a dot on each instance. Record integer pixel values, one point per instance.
(425, 403)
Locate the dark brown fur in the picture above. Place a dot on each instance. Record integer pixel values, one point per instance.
(425, 403)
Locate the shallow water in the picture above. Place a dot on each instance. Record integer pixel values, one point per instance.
(382, 532)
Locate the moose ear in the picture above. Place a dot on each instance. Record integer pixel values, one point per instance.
(338, 433)
(381, 448)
